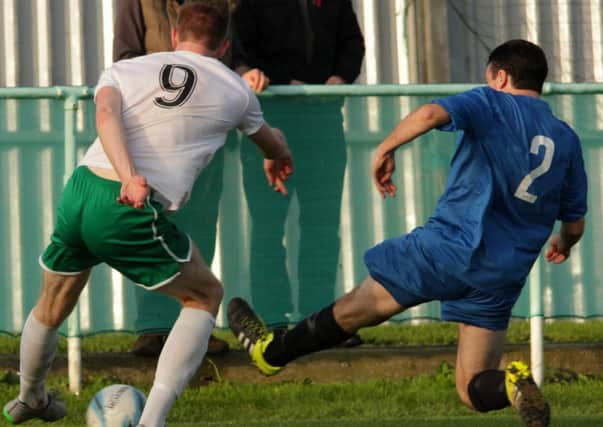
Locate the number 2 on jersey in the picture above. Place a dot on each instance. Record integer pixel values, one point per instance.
(549, 149)
(182, 89)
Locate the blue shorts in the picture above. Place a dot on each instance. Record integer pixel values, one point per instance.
(408, 272)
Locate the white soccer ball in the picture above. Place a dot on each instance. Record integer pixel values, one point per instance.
(117, 405)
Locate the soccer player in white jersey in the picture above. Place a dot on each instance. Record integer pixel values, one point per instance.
(159, 119)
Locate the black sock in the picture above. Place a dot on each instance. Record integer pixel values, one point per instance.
(487, 391)
(316, 332)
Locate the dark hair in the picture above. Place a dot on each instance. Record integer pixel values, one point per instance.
(205, 21)
(525, 62)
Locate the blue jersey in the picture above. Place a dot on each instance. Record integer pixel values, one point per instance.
(516, 170)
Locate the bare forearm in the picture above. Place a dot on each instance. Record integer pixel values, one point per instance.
(271, 142)
(113, 140)
(418, 122)
(571, 232)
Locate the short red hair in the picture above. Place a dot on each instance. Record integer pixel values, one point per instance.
(203, 21)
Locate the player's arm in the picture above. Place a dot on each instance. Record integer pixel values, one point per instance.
(278, 164)
(560, 244)
(109, 126)
(423, 119)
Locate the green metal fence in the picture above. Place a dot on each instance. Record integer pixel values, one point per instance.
(290, 256)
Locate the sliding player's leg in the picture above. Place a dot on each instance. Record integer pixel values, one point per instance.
(367, 305)
(399, 278)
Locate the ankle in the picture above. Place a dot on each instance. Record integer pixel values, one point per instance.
(317, 332)
(37, 400)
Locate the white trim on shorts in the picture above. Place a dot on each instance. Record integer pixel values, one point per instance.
(160, 284)
(62, 273)
(165, 246)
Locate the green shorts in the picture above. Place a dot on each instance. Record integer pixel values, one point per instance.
(92, 227)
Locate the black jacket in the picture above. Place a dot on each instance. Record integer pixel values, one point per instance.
(273, 36)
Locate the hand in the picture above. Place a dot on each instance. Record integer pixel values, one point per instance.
(256, 79)
(296, 82)
(384, 166)
(557, 251)
(335, 80)
(134, 192)
(278, 171)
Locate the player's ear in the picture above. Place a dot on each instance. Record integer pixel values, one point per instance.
(503, 79)
(499, 79)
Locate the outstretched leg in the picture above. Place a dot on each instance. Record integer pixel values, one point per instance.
(483, 387)
(200, 293)
(367, 305)
(38, 346)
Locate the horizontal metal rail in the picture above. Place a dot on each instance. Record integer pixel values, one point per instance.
(85, 92)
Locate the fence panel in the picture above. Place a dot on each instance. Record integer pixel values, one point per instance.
(290, 256)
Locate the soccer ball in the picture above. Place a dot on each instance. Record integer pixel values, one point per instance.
(117, 405)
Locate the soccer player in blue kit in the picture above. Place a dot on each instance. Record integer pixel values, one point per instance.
(517, 169)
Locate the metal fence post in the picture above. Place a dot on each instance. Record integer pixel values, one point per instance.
(74, 345)
(536, 325)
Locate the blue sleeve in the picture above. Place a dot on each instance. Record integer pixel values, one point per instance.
(468, 111)
(573, 195)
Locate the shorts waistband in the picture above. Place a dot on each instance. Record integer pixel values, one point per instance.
(115, 185)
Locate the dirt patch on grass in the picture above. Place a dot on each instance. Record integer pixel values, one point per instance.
(338, 365)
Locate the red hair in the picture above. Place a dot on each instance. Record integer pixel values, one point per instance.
(202, 22)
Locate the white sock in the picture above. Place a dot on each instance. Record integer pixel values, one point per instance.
(180, 358)
(38, 346)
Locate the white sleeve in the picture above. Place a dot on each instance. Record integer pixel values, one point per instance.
(107, 78)
(253, 118)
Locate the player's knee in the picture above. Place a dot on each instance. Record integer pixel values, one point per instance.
(215, 291)
(485, 392)
(210, 293)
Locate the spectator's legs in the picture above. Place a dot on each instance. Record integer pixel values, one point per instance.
(269, 280)
(39, 338)
(200, 293)
(319, 178)
(155, 317)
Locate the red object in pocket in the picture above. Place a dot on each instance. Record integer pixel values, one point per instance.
(317, 3)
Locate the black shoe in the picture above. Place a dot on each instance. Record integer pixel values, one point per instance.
(149, 345)
(17, 412)
(525, 396)
(353, 341)
(216, 346)
(251, 333)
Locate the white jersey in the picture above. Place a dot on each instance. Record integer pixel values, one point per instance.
(177, 109)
